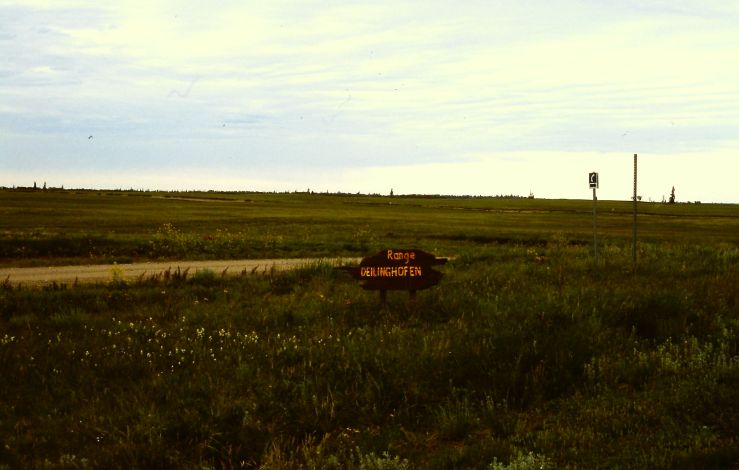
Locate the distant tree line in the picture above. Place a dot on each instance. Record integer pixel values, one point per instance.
(672, 199)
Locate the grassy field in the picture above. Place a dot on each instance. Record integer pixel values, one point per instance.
(527, 354)
(74, 227)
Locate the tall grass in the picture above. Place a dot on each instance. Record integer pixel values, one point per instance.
(523, 357)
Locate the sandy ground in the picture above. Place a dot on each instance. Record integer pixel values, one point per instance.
(38, 277)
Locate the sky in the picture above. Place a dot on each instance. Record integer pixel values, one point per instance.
(419, 97)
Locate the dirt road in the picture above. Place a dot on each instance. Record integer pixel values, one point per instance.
(37, 277)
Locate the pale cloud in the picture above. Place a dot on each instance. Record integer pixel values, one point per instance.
(348, 88)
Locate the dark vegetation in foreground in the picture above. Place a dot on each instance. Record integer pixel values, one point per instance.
(526, 355)
(521, 358)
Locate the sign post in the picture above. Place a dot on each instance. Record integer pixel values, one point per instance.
(393, 269)
(633, 236)
(593, 183)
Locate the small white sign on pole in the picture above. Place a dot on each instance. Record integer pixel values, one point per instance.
(593, 180)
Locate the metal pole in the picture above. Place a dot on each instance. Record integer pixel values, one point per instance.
(595, 228)
(633, 238)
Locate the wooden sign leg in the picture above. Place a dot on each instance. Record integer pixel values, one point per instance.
(383, 296)
(412, 295)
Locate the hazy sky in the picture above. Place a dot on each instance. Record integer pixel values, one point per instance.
(451, 97)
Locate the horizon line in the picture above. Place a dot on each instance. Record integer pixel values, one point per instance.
(345, 194)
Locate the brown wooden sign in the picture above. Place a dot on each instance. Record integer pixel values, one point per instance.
(393, 269)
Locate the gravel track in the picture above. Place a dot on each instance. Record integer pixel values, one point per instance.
(90, 274)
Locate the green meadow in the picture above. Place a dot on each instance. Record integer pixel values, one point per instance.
(529, 354)
(83, 227)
